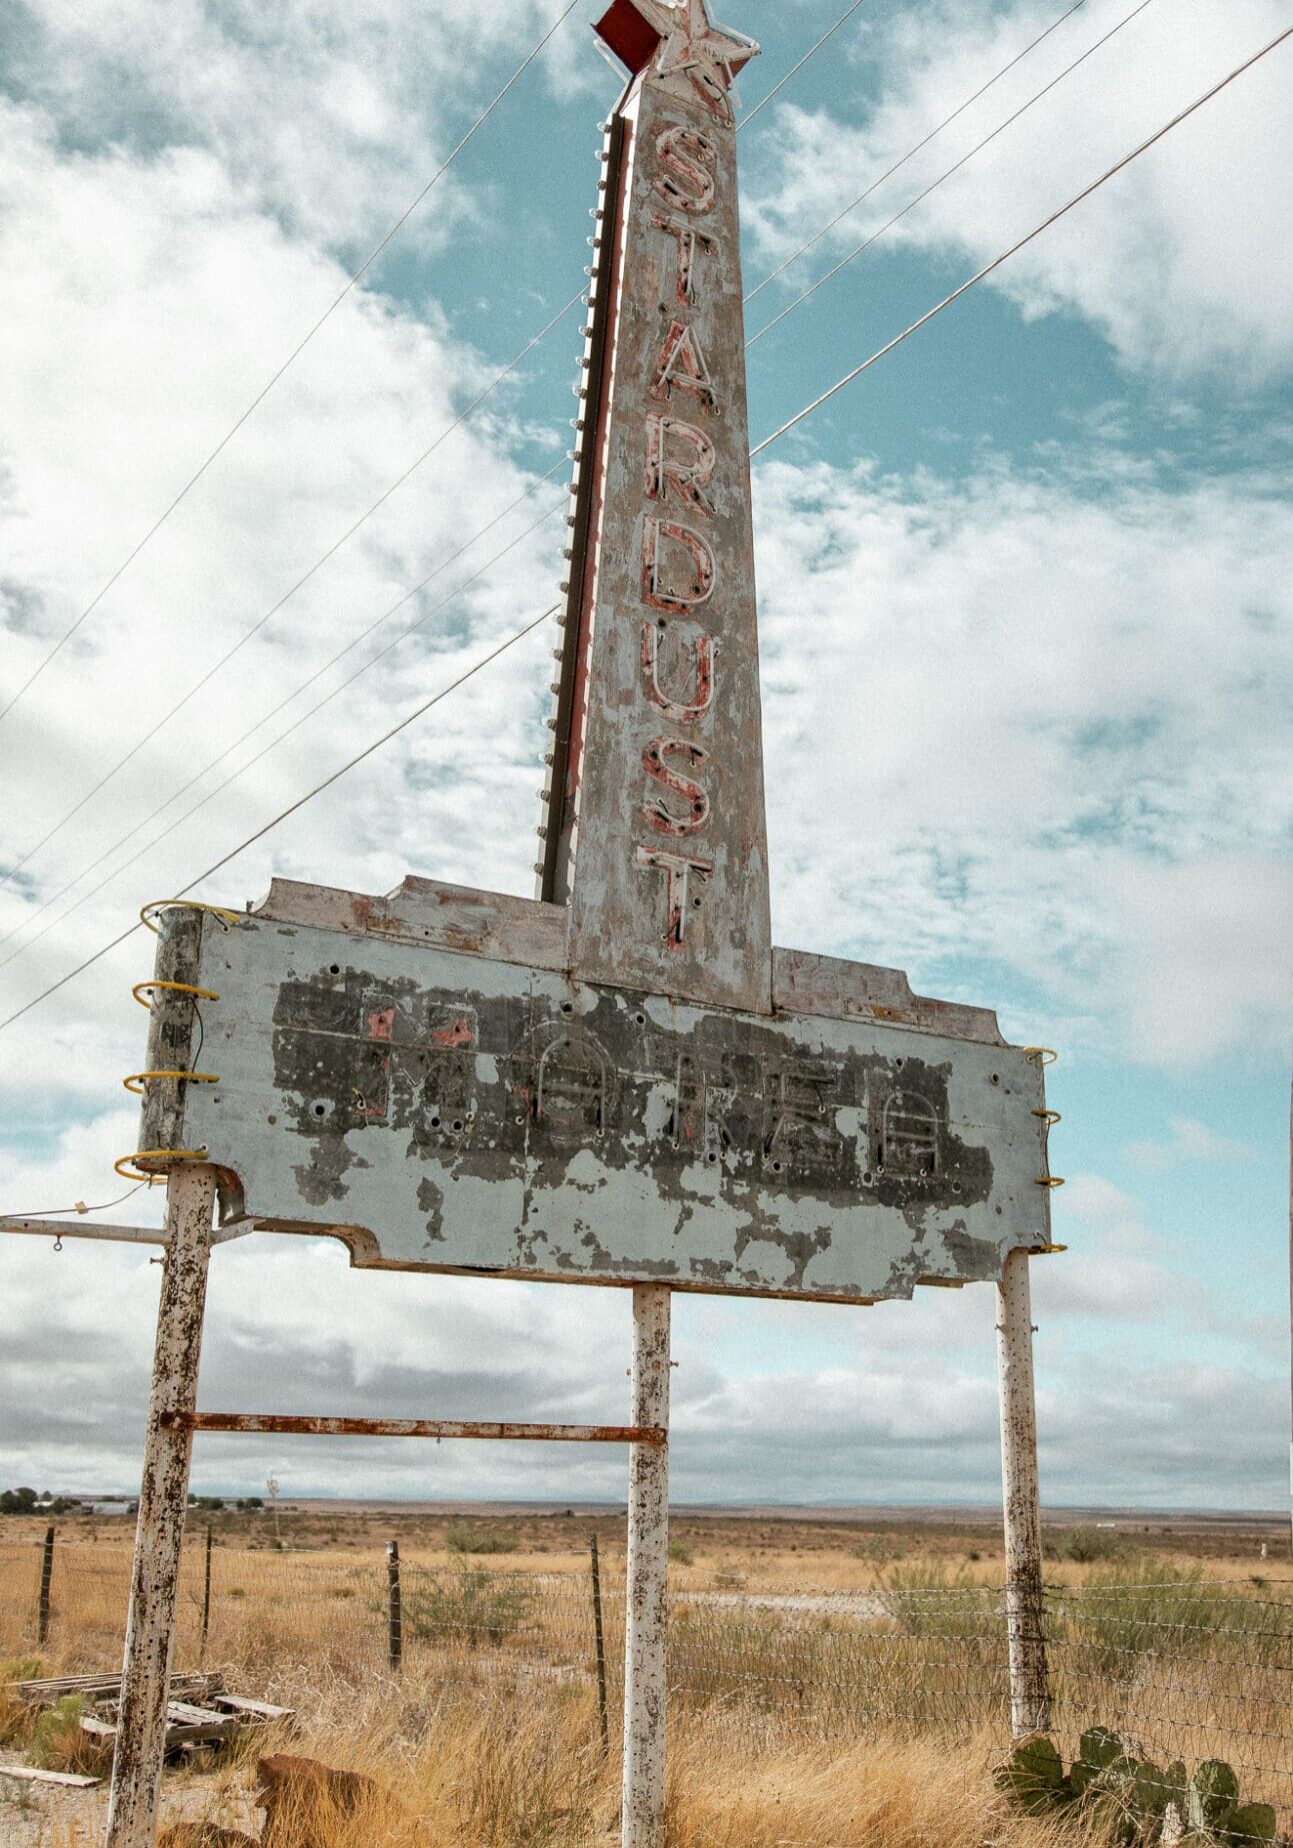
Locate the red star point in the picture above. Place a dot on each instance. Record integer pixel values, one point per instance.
(682, 39)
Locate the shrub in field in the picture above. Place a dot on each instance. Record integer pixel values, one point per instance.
(470, 1605)
(926, 1600)
(58, 1744)
(1140, 1802)
(877, 1550)
(462, 1537)
(680, 1553)
(1144, 1608)
(15, 1714)
(727, 1578)
(1086, 1546)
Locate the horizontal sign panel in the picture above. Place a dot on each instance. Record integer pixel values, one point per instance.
(442, 1111)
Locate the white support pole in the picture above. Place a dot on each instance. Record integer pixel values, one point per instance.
(163, 1496)
(642, 1813)
(1030, 1707)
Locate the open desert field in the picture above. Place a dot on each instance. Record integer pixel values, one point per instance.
(832, 1673)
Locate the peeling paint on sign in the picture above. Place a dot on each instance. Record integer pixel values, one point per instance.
(443, 1111)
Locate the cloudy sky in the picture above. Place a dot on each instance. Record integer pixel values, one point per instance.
(1026, 602)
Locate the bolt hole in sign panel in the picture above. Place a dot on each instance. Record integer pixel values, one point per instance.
(620, 1080)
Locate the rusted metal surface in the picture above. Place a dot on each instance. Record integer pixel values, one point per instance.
(141, 1729)
(290, 1424)
(429, 913)
(646, 1607)
(450, 1112)
(1029, 1690)
(655, 817)
(433, 915)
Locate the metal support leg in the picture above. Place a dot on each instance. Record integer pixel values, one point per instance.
(1030, 1707)
(642, 1815)
(150, 1626)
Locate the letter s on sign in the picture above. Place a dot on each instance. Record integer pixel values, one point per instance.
(688, 160)
(654, 760)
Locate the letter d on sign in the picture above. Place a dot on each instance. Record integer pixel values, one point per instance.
(677, 565)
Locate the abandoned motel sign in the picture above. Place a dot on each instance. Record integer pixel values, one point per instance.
(621, 1081)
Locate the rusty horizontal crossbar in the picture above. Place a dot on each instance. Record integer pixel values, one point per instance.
(295, 1425)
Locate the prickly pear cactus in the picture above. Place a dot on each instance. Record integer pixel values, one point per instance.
(1251, 1823)
(1213, 1794)
(1034, 1776)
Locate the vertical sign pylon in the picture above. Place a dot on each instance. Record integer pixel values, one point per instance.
(655, 832)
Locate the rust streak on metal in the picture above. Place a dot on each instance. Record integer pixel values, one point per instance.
(290, 1424)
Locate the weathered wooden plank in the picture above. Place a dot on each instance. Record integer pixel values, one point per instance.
(51, 1687)
(36, 1774)
(255, 1709)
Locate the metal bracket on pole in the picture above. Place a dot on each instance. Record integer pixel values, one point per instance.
(114, 1235)
(642, 1813)
(1030, 1708)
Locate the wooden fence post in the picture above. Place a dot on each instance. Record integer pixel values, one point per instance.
(206, 1597)
(600, 1641)
(394, 1616)
(46, 1574)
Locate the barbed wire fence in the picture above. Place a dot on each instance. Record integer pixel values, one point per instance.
(1184, 1670)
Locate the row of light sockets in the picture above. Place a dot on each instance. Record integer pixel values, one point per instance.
(592, 271)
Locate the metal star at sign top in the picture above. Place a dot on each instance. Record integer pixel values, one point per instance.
(682, 40)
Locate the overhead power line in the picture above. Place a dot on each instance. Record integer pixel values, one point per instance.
(16, 866)
(273, 712)
(934, 185)
(767, 442)
(812, 51)
(247, 635)
(291, 359)
(912, 152)
(297, 723)
(352, 763)
(1018, 245)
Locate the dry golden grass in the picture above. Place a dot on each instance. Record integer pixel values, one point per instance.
(491, 1740)
(475, 1767)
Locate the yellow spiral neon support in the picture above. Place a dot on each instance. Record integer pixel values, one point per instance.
(179, 988)
(226, 917)
(1046, 1055)
(137, 1080)
(134, 1174)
